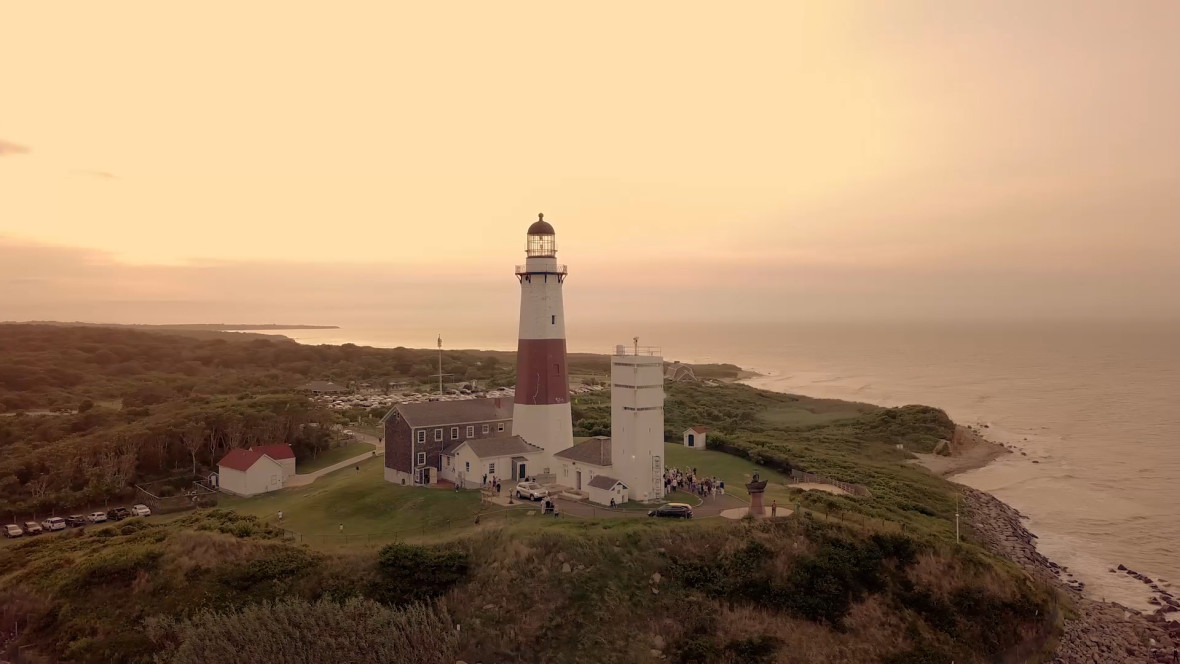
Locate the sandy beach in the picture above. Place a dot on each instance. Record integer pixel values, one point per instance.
(968, 450)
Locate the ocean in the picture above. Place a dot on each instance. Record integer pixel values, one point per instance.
(1094, 406)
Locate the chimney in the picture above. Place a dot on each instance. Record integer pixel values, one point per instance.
(497, 402)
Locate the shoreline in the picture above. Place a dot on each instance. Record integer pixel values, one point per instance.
(1098, 631)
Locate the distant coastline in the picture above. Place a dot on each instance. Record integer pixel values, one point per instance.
(214, 327)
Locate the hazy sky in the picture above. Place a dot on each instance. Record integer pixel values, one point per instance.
(378, 162)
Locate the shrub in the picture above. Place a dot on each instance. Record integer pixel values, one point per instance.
(358, 630)
(414, 572)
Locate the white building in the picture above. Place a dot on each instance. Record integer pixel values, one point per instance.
(606, 490)
(694, 437)
(254, 471)
(578, 465)
(466, 462)
(637, 421)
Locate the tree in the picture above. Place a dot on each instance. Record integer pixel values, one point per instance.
(193, 437)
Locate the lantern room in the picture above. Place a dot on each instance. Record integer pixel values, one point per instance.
(542, 242)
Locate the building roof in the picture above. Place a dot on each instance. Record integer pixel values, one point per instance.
(498, 446)
(448, 413)
(243, 459)
(240, 459)
(604, 482)
(699, 429)
(276, 452)
(595, 451)
(322, 386)
(541, 227)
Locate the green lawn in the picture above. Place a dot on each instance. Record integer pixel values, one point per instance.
(334, 455)
(365, 503)
(736, 471)
(813, 412)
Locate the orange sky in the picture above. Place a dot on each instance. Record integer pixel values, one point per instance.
(330, 162)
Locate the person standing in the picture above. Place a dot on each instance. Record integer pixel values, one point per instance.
(280, 516)
(773, 508)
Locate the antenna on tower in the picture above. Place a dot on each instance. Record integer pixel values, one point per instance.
(440, 373)
(636, 340)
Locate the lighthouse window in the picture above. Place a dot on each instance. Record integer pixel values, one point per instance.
(421, 435)
(438, 434)
(470, 431)
(485, 428)
(500, 427)
(553, 319)
(556, 368)
(454, 433)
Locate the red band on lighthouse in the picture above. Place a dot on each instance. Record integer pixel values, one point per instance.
(541, 376)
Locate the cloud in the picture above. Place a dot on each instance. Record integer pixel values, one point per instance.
(8, 147)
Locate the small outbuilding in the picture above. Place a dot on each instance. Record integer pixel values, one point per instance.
(694, 437)
(603, 489)
(257, 470)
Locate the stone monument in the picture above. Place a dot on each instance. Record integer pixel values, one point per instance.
(756, 488)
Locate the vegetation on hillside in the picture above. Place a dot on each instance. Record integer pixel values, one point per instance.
(622, 591)
(133, 405)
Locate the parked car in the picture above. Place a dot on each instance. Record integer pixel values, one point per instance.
(96, 517)
(54, 523)
(75, 520)
(32, 528)
(531, 491)
(119, 513)
(13, 530)
(140, 510)
(673, 511)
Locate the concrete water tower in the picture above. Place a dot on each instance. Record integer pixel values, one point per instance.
(637, 420)
(541, 411)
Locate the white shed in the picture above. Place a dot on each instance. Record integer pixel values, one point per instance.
(281, 453)
(249, 473)
(694, 437)
(603, 489)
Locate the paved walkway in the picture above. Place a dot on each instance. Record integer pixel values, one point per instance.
(307, 478)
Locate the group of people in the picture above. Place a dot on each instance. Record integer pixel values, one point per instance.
(688, 480)
(494, 484)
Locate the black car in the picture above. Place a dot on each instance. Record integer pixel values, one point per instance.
(673, 511)
(119, 513)
(75, 520)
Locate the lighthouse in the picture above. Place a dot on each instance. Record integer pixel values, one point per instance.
(541, 410)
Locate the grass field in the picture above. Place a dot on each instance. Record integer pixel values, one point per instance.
(334, 455)
(813, 412)
(365, 504)
(736, 471)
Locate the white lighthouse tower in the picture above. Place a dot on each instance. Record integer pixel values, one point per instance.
(541, 411)
(637, 420)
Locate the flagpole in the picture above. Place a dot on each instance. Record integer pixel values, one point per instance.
(440, 373)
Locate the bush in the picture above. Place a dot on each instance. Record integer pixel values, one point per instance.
(358, 630)
(413, 572)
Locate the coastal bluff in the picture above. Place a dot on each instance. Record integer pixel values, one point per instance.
(1098, 632)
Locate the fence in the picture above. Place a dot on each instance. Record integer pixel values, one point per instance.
(191, 493)
(854, 489)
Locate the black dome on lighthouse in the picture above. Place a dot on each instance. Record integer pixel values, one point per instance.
(541, 227)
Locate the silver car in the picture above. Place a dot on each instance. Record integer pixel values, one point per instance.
(531, 491)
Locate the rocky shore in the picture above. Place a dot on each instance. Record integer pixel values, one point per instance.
(1099, 632)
